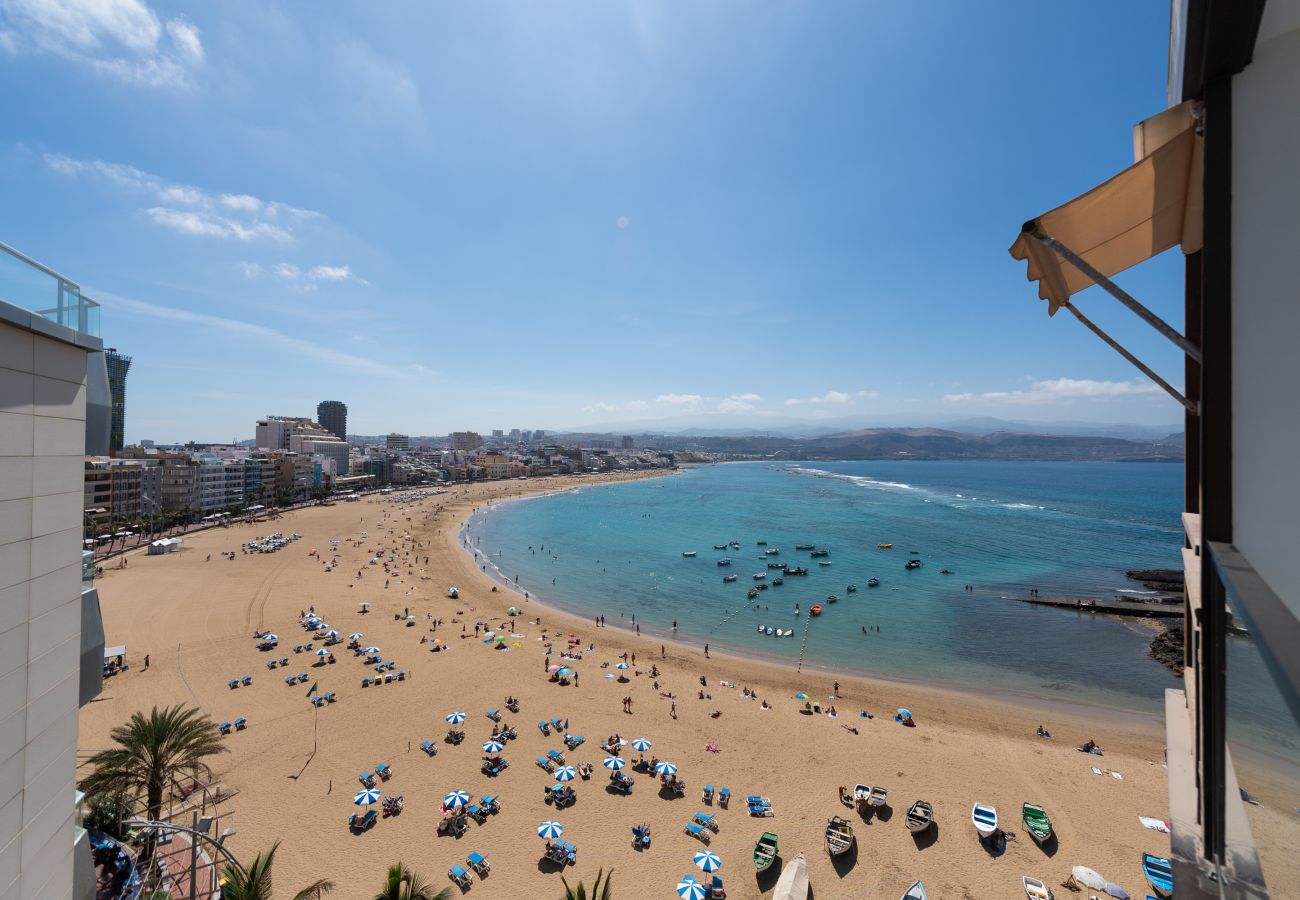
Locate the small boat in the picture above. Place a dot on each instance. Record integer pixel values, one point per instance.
(814, 610)
(824, 562)
(762, 543)
(1159, 875)
(912, 564)
(727, 579)
(873, 582)
(862, 798)
(765, 851)
(725, 561)
(914, 552)
(852, 589)
(1036, 822)
(820, 553)
(985, 819)
(1035, 889)
(776, 565)
(805, 546)
(759, 576)
(772, 551)
(688, 553)
(947, 572)
(777, 580)
(719, 546)
(920, 816)
(887, 547)
(915, 892)
(879, 797)
(734, 545)
(769, 630)
(762, 585)
(839, 836)
(793, 884)
(796, 571)
(832, 598)
(753, 592)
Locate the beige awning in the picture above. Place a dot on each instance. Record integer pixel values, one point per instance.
(1151, 206)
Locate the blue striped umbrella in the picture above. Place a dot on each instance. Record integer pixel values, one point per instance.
(270, 637)
(370, 650)
(354, 635)
(690, 889)
(493, 746)
(322, 653)
(566, 773)
(366, 797)
(663, 767)
(550, 830)
(455, 718)
(614, 762)
(708, 860)
(641, 744)
(456, 799)
(621, 665)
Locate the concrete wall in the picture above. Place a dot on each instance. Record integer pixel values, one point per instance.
(42, 447)
(1266, 303)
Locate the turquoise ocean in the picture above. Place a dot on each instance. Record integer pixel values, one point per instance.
(1069, 529)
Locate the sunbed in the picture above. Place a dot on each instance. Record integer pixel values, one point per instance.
(724, 797)
(479, 863)
(384, 771)
(284, 661)
(573, 741)
(360, 822)
(709, 822)
(696, 831)
(716, 891)
(475, 812)
(544, 728)
(555, 756)
(429, 747)
(241, 723)
(318, 700)
(224, 728)
(330, 697)
(546, 764)
(707, 795)
(367, 682)
(234, 683)
(272, 663)
(493, 714)
(367, 779)
(490, 803)
(460, 876)
(247, 680)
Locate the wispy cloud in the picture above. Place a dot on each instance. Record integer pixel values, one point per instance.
(122, 39)
(606, 407)
(739, 403)
(193, 211)
(267, 336)
(684, 401)
(1059, 390)
(830, 398)
(305, 279)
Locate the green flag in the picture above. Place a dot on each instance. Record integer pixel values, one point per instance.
(313, 688)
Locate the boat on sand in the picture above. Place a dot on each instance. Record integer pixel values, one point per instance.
(793, 884)
(765, 852)
(1037, 823)
(985, 819)
(839, 836)
(1159, 874)
(915, 892)
(920, 816)
(1035, 889)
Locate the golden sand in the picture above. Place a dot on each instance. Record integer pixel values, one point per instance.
(196, 618)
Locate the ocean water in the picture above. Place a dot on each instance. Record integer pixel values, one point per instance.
(1003, 527)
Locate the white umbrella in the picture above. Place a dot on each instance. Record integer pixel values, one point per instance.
(270, 637)
(354, 635)
(641, 744)
(370, 650)
(621, 665)
(322, 653)
(708, 860)
(1088, 878)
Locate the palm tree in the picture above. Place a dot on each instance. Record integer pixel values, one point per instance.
(403, 884)
(599, 891)
(152, 750)
(254, 883)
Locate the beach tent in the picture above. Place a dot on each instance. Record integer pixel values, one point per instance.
(164, 545)
(114, 652)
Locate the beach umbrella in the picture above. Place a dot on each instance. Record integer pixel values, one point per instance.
(322, 653)
(905, 713)
(614, 762)
(641, 744)
(801, 696)
(270, 637)
(708, 860)
(566, 773)
(564, 670)
(501, 638)
(550, 830)
(354, 635)
(663, 767)
(621, 665)
(331, 633)
(489, 634)
(455, 718)
(690, 889)
(493, 746)
(1116, 891)
(370, 650)
(456, 799)
(552, 669)
(513, 611)
(366, 797)
(1088, 878)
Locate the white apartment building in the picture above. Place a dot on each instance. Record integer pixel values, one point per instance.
(54, 410)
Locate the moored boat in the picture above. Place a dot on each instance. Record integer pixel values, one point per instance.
(805, 546)
(772, 565)
(772, 551)
(725, 561)
(759, 576)
(728, 578)
(762, 543)
(839, 836)
(734, 545)
(815, 610)
(820, 553)
(862, 798)
(887, 547)
(1036, 822)
(797, 570)
(912, 564)
(753, 592)
(832, 598)
(719, 546)
(1159, 874)
(765, 851)
(793, 883)
(985, 819)
(873, 581)
(879, 796)
(688, 553)
(823, 562)
(1035, 889)
(852, 589)
(777, 580)
(920, 816)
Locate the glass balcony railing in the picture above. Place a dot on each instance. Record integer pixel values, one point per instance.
(27, 284)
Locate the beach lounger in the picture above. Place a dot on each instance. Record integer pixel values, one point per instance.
(475, 812)
(460, 876)
(707, 795)
(709, 822)
(454, 736)
(284, 661)
(302, 677)
(490, 803)
(573, 741)
(318, 700)
(241, 723)
(558, 724)
(383, 771)
(297, 648)
(291, 680)
(716, 891)
(429, 747)
(545, 764)
(367, 682)
(247, 680)
(401, 676)
(493, 714)
(272, 663)
(359, 822)
(555, 756)
(330, 697)
(641, 835)
(367, 779)
(234, 683)
(696, 831)
(479, 863)
(724, 797)
(760, 811)
(544, 728)
(224, 728)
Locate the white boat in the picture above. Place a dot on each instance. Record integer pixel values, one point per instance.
(1035, 889)
(839, 836)
(985, 819)
(793, 884)
(915, 892)
(728, 578)
(688, 553)
(759, 576)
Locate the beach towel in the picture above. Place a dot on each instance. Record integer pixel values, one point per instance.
(1159, 825)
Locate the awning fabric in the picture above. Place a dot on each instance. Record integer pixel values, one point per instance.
(1151, 206)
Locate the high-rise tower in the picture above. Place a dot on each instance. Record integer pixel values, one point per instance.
(333, 417)
(117, 368)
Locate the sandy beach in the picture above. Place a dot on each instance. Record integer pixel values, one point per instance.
(195, 613)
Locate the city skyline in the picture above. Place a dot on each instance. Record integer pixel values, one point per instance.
(653, 195)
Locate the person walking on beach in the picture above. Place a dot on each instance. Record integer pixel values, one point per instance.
(146, 662)
(706, 651)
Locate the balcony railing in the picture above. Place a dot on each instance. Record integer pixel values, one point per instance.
(39, 289)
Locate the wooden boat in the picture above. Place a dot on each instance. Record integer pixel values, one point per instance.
(879, 796)
(762, 543)
(793, 884)
(820, 553)
(719, 546)
(839, 836)
(832, 598)
(887, 547)
(852, 589)
(862, 798)
(765, 852)
(1035, 889)
(920, 816)
(771, 551)
(725, 561)
(753, 592)
(773, 565)
(778, 580)
(985, 819)
(1159, 875)
(728, 578)
(759, 576)
(915, 892)
(873, 581)
(815, 610)
(1036, 822)
(805, 546)
(823, 562)
(912, 564)
(796, 571)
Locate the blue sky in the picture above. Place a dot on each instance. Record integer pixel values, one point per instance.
(530, 215)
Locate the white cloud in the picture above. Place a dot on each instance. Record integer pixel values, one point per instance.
(868, 395)
(191, 210)
(123, 39)
(622, 221)
(251, 269)
(245, 331)
(683, 401)
(739, 403)
(286, 271)
(1060, 390)
(335, 273)
(606, 407)
(833, 398)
